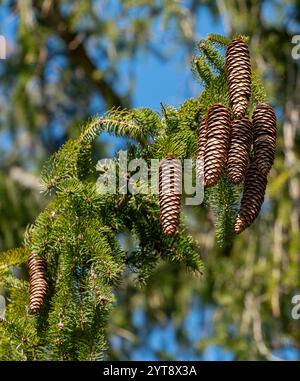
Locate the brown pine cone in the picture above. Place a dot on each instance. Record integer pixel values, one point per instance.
(252, 200)
(264, 137)
(38, 282)
(238, 69)
(241, 140)
(201, 149)
(169, 194)
(217, 143)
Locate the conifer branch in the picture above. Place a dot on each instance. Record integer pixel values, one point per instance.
(76, 235)
(257, 88)
(138, 124)
(13, 257)
(219, 40)
(216, 60)
(202, 70)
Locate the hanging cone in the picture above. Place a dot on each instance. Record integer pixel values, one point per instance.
(241, 140)
(264, 137)
(169, 194)
(252, 200)
(217, 143)
(201, 149)
(238, 69)
(38, 282)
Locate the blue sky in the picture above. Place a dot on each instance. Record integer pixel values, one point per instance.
(171, 82)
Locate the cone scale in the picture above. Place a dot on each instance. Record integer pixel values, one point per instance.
(201, 148)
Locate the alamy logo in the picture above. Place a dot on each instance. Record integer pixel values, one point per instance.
(2, 47)
(2, 307)
(296, 49)
(296, 308)
(139, 176)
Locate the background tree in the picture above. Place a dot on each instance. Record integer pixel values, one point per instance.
(53, 84)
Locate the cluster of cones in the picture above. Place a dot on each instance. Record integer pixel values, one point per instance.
(225, 140)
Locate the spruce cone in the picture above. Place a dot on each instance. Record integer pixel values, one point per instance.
(252, 200)
(217, 143)
(201, 149)
(241, 140)
(38, 282)
(169, 194)
(238, 70)
(264, 137)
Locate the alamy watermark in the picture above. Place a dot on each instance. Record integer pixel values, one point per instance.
(2, 47)
(2, 307)
(138, 176)
(296, 308)
(296, 48)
